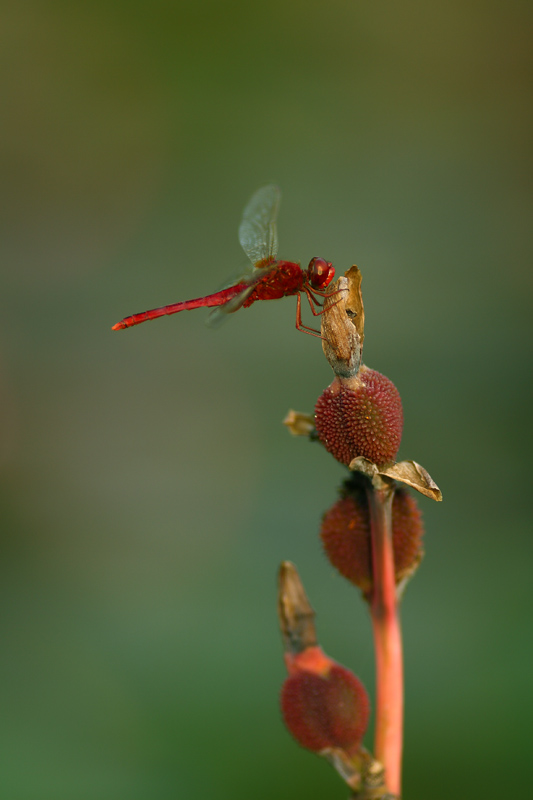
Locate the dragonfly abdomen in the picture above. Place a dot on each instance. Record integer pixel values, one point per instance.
(211, 300)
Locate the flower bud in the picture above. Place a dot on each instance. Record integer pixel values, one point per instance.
(324, 705)
(360, 417)
(345, 534)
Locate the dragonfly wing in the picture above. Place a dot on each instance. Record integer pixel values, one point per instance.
(217, 315)
(257, 233)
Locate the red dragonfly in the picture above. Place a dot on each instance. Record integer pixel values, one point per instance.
(267, 278)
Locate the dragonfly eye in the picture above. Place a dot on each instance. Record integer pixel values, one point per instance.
(320, 273)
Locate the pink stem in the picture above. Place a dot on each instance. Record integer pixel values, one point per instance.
(387, 641)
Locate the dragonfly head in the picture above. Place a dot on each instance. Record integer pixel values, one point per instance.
(320, 273)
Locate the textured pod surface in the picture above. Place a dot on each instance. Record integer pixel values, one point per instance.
(345, 534)
(365, 421)
(407, 532)
(326, 711)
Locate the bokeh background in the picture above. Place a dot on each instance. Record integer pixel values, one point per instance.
(148, 488)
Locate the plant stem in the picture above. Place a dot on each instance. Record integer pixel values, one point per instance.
(387, 640)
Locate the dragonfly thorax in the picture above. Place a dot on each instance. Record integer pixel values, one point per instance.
(320, 273)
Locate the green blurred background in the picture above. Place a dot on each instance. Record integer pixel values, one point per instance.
(148, 488)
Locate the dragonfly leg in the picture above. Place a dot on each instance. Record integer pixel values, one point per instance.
(299, 325)
(313, 301)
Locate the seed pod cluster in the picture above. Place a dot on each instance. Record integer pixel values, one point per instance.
(326, 708)
(345, 534)
(363, 417)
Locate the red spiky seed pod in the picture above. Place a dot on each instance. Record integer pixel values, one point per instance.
(324, 705)
(362, 417)
(345, 534)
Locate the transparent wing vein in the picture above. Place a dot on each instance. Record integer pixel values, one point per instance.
(257, 232)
